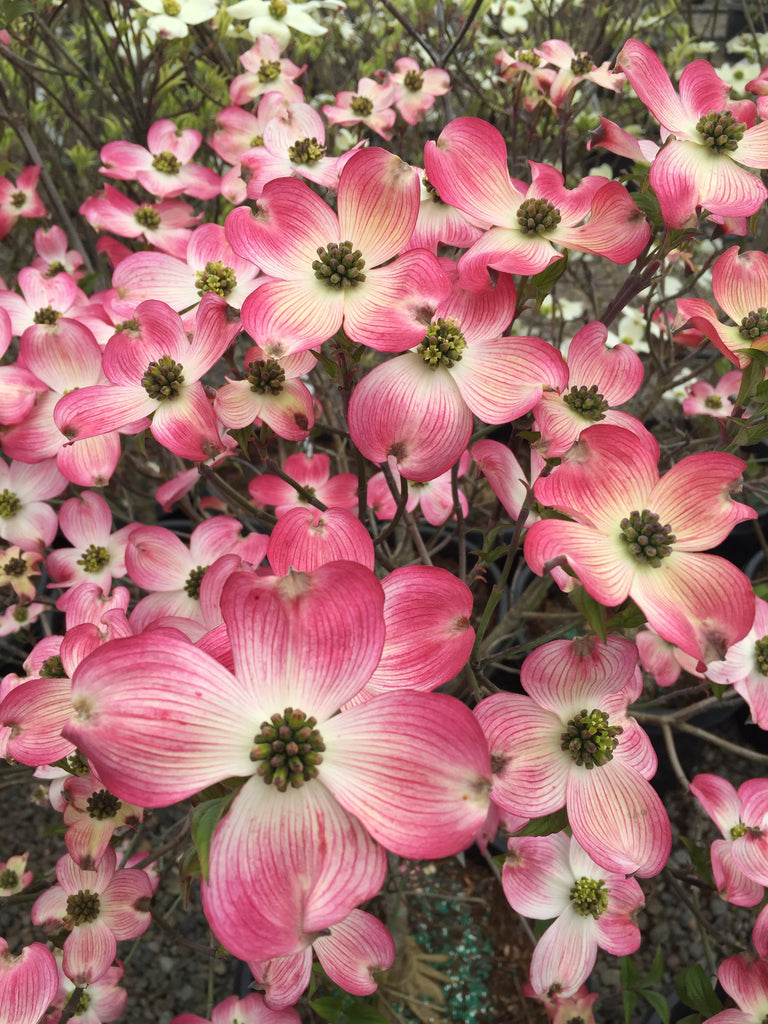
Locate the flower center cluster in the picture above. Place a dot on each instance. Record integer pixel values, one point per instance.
(413, 81)
(94, 558)
(77, 764)
(256, 140)
(288, 749)
(47, 315)
(537, 216)
(15, 567)
(55, 268)
(761, 655)
(20, 614)
(754, 324)
(589, 897)
(103, 805)
(10, 504)
(52, 668)
(589, 739)
(83, 907)
(528, 57)
(8, 879)
(739, 830)
(266, 377)
(587, 402)
(361, 106)
(277, 9)
(163, 379)
(443, 344)
(434, 194)
(720, 130)
(582, 64)
(339, 265)
(646, 538)
(82, 1004)
(18, 199)
(166, 163)
(306, 151)
(215, 278)
(127, 325)
(195, 578)
(268, 71)
(147, 216)
(171, 8)
(713, 402)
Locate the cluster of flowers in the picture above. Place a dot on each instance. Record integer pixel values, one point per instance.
(295, 704)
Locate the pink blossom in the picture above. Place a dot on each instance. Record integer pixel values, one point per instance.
(164, 225)
(20, 200)
(745, 978)
(637, 535)
(313, 472)
(104, 1001)
(306, 538)
(14, 876)
(570, 743)
(416, 90)
(573, 69)
(552, 876)
(53, 256)
(252, 1009)
(266, 71)
(26, 518)
(704, 399)
(371, 106)
(408, 770)
(98, 908)
(746, 666)
(433, 497)
(710, 141)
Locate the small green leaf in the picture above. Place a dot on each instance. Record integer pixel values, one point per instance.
(203, 821)
(628, 972)
(700, 860)
(242, 435)
(591, 609)
(629, 999)
(656, 973)
(548, 278)
(692, 1018)
(658, 1002)
(330, 1008)
(717, 689)
(545, 825)
(362, 1013)
(695, 990)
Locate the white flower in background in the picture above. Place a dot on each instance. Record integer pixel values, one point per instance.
(513, 15)
(752, 46)
(277, 18)
(171, 18)
(631, 330)
(737, 75)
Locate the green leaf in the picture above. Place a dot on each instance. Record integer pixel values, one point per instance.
(330, 1008)
(629, 999)
(717, 689)
(656, 973)
(242, 435)
(548, 278)
(648, 204)
(700, 859)
(362, 1013)
(628, 972)
(203, 821)
(695, 990)
(658, 1002)
(545, 825)
(591, 609)
(751, 377)
(692, 1018)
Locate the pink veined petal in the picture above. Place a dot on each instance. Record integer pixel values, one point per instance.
(298, 643)
(89, 949)
(480, 187)
(428, 633)
(64, 358)
(537, 876)
(187, 426)
(732, 884)
(306, 311)
(617, 932)
(701, 603)
(485, 313)
(564, 676)
(753, 148)
(286, 865)
(160, 720)
(157, 560)
(305, 539)
(740, 281)
(378, 203)
(745, 979)
(503, 378)
(214, 333)
(291, 414)
(600, 563)
(18, 391)
(750, 854)
(565, 954)
(92, 461)
(530, 770)
(128, 887)
(617, 371)
(284, 978)
(155, 276)
(356, 948)
(504, 473)
(28, 983)
(35, 483)
(649, 78)
(92, 411)
(618, 819)
(86, 519)
(508, 250)
(405, 409)
(35, 713)
(616, 228)
(390, 312)
(702, 90)
(414, 768)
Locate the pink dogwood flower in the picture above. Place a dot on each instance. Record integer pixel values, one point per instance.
(705, 399)
(298, 848)
(710, 141)
(552, 876)
(266, 71)
(328, 268)
(20, 200)
(104, 1001)
(598, 216)
(637, 535)
(164, 225)
(314, 473)
(98, 908)
(568, 742)
(746, 666)
(26, 518)
(371, 106)
(573, 69)
(252, 1009)
(14, 876)
(416, 90)
(54, 254)
(745, 978)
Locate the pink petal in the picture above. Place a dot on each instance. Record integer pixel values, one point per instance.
(306, 538)
(537, 876)
(378, 203)
(356, 948)
(565, 954)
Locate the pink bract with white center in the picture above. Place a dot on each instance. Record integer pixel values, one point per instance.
(105, 998)
(28, 983)
(54, 254)
(328, 267)
(704, 399)
(416, 90)
(609, 483)
(314, 473)
(100, 907)
(408, 770)
(252, 1009)
(663, 660)
(165, 169)
(573, 69)
(468, 167)
(26, 518)
(20, 199)
(542, 764)
(746, 666)
(745, 978)
(14, 876)
(266, 71)
(306, 538)
(739, 816)
(371, 106)
(709, 139)
(552, 876)
(164, 225)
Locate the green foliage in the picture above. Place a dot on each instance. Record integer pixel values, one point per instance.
(635, 988)
(695, 990)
